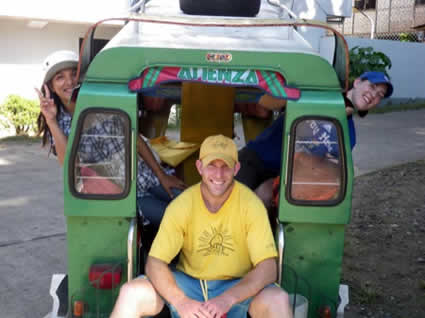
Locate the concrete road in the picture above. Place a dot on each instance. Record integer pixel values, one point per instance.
(32, 226)
(389, 139)
(32, 229)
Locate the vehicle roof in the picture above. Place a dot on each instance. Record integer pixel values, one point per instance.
(252, 37)
(142, 41)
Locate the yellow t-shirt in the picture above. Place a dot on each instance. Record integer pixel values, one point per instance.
(222, 245)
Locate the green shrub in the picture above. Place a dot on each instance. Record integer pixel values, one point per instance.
(407, 37)
(364, 59)
(21, 113)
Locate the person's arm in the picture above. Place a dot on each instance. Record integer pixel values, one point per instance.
(272, 103)
(163, 280)
(260, 276)
(167, 181)
(49, 111)
(60, 140)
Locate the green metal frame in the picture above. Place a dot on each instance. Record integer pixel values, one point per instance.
(320, 104)
(95, 240)
(314, 235)
(97, 229)
(316, 73)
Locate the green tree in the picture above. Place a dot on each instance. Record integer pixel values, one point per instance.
(21, 113)
(363, 59)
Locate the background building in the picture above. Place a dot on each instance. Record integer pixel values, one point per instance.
(30, 30)
(391, 19)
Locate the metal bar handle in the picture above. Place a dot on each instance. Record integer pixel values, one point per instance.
(280, 247)
(130, 249)
(283, 7)
(140, 5)
(133, 154)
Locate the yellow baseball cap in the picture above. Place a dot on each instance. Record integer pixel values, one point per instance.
(218, 147)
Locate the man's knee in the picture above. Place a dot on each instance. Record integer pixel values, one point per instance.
(271, 302)
(140, 293)
(274, 296)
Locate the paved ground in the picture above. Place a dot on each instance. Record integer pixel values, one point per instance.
(388, 139)
(32, 227)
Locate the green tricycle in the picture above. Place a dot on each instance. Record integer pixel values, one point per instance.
(215, 68)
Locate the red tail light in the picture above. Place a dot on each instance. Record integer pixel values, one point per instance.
(325, 312)
(105, 276)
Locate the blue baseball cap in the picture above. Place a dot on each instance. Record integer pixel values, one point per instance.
(379, 78)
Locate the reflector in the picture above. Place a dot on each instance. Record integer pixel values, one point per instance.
(78, 308)
(105, 276)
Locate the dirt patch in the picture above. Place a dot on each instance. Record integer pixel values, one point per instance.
(384, 261)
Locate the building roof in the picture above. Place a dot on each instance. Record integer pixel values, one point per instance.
(420, 27)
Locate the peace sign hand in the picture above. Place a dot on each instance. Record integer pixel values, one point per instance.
(47, 104)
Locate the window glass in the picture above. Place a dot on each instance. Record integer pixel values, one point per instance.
(370, 4)
(100, 161)
(365, 4)
(316, 165)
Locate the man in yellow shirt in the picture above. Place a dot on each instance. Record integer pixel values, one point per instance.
(227, 262)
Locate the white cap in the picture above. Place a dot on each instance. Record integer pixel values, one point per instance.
(57, 61)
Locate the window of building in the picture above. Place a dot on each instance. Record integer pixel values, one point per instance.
(419, 2)
(370, 4)
(365, 4)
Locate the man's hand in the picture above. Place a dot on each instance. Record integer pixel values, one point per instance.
(189, 308)
(169, 182)
(218, 306)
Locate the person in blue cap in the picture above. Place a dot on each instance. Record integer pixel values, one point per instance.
(261, 158)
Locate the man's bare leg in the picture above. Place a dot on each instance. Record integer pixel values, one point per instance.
(137, 298)
(271, 302)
